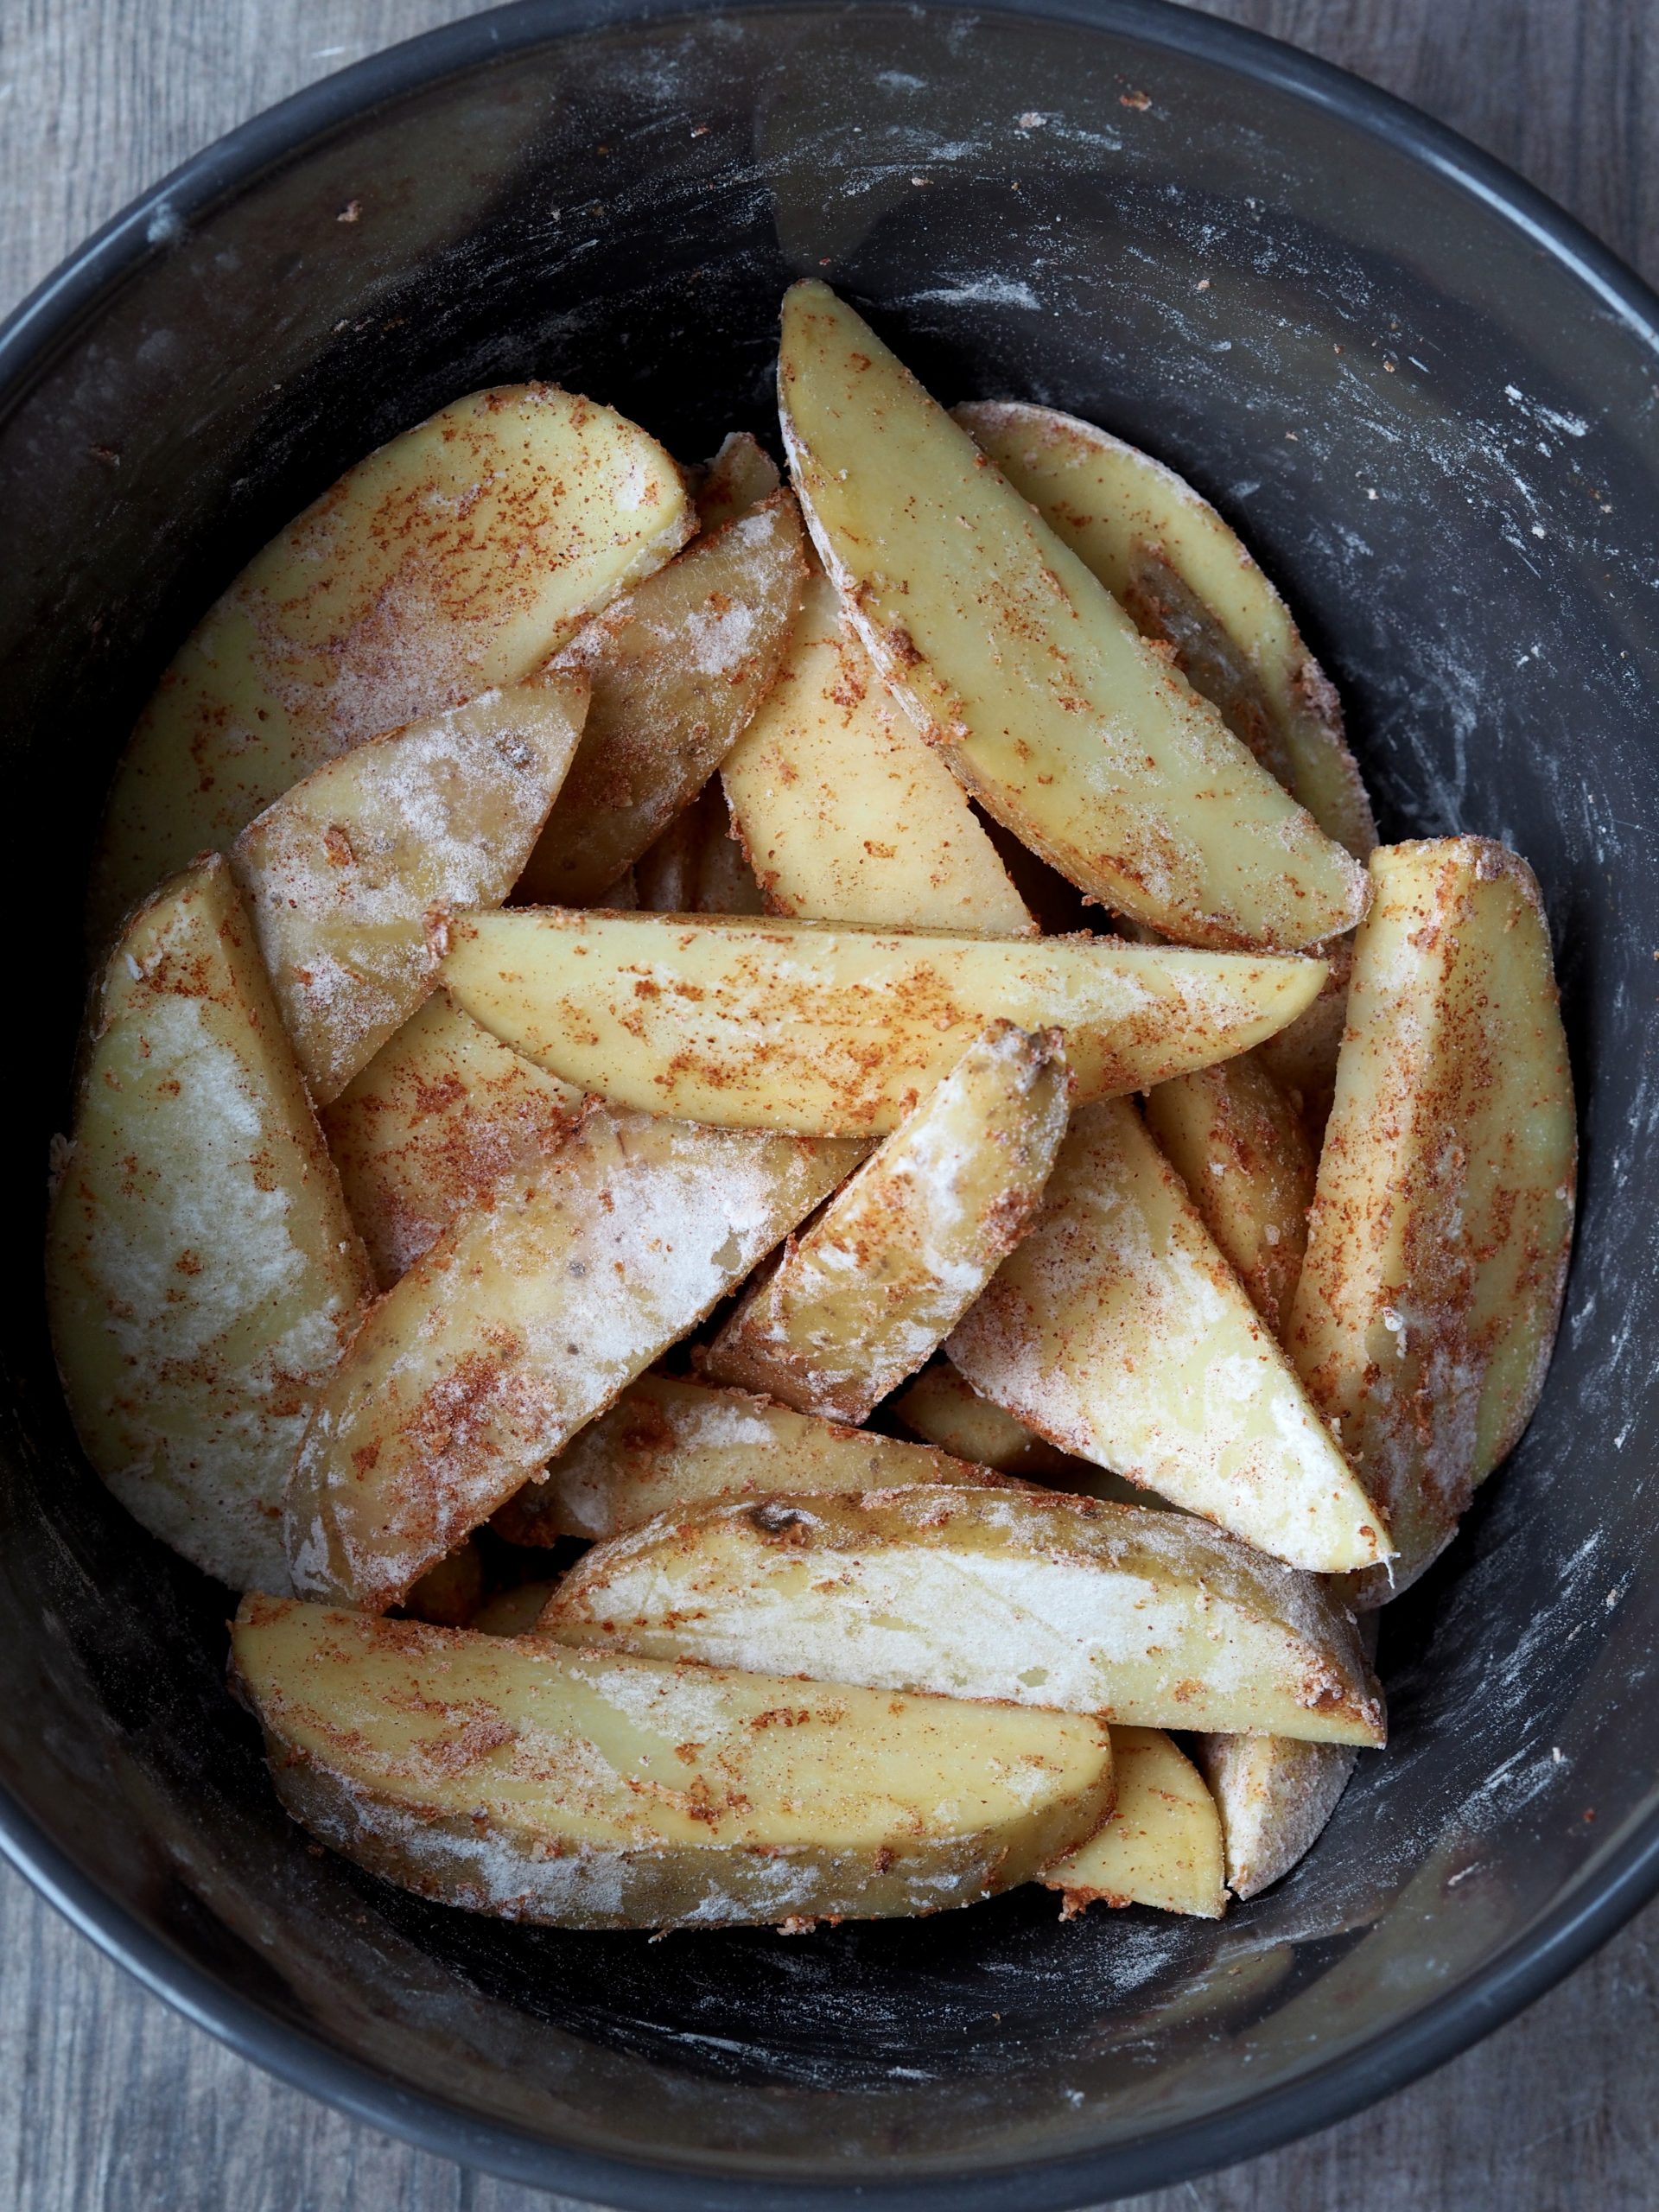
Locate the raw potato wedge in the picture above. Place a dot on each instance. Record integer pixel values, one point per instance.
(1018, 663)
(511, 1778)
(441, 1114)
(893, 1262)
(832, 1031)
(847, 815)
(452, 561)
(1301, 1057)
(1161, 1845)
(514, 1612)
(1151, 1618)
(202, 1272)
(1237, 1144)
(1116, 1330)
(698, 866)
(1185, 580)
(1442, 1220)
(450, 1594)
(355, 874)
(677, 668)
(939, 1407)
(523, 1321)
(1275, 1797)
(740, 476)
(667, 1442)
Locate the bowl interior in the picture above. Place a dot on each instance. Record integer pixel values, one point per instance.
(1441, 438)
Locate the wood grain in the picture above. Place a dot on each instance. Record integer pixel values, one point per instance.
(110, 2103)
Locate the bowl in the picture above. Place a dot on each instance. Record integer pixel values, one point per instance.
(1431, 404)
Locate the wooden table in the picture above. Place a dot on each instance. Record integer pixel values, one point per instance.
(108, 2101)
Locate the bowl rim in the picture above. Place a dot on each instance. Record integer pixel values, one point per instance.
(1598, 1901)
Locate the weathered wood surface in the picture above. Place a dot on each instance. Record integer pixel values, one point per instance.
(110, 2103)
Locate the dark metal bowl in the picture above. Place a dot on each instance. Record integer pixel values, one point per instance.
(1431, 404)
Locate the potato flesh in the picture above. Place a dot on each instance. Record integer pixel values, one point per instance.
(450, 561)
(1237, 1144)
(667, 1442)
(846, 814)
(523, 1321)
(1161, 1843)
(439, 1116)
(1014, 659)
(1117, 1330)
(1149, 1619)
(1301, 1057)
(677, 669)
(355, 874)
(696, 865)
(832, 1031)
(511, 1778)
(1274, 1796)
(1442, 1217)
(202, 1273)
(1183, 578)
(872, 1289)
(946, 1411)
(740, 475)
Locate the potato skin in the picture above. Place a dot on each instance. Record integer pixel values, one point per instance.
(872, 1288)
(1275, 1797)
(1152, 1619)
(507, 1776)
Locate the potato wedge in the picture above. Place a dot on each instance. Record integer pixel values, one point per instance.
(1185, 579)
(1237, 1144)
(511, 1778)
(1151, 1618)
(846, 814)
(1275, 1797)
(523, 1321)
(942, 1409)
(1161, 1845)
(1442, 1217)
(1301, 1057)
(202, 1272)
(450, 1593)
(1117, 1330)
(1014, 659)
(666, 1443)
(836, 1030)
(514, 1612)
(740, 476)
(355, 874)
(891, 1265)
(441, 1114)
(677, 668)
(697, 865)
(452, 561)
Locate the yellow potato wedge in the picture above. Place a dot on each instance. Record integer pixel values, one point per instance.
(1442, 1217)
(1117, 1330)
(1185, 579)
(942, 1409)
(1151, 1618)
(202, 1272)
(514, 1612)
(452, 561)
(1020, 666)
(698, 866)
(1162, 1844)
(1238, 1145)
(442, 1113)
(355, 874)
(846, 814)
(677, 668)
(523, 1321)
(740, 476)
(1301, 1057)
(511, 1778)
(1274, 1796)
(872, 1289)
(833, 1031)
(667, 1442)
(450, 1593)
